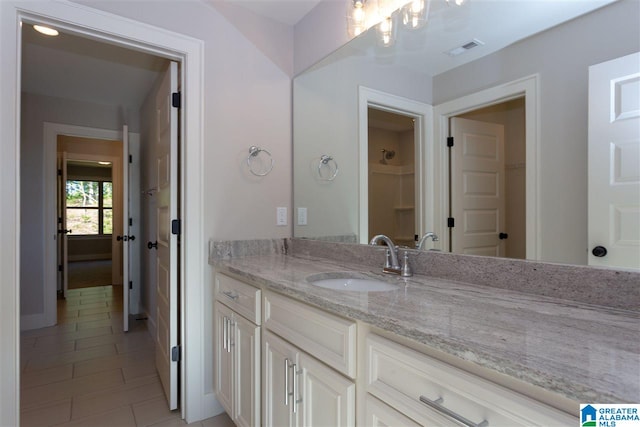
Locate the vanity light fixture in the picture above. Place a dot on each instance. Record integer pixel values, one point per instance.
(47, 31)
(414, 14)
(356, 21)
(364, 14)
(386, 33)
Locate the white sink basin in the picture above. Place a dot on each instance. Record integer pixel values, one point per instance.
(350, 282)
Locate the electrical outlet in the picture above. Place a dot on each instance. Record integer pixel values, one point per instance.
(281, 216)
(302, 216)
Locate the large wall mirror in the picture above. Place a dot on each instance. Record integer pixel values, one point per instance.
(382, 114)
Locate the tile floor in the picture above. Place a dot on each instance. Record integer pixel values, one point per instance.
(86, 372)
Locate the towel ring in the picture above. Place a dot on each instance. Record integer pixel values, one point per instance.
(327, 161)
(253, 154)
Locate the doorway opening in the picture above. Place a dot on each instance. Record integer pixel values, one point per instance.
(392, 198)
(86, 217)
(488, 181)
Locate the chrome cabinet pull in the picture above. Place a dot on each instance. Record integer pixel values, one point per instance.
(286, 382)
(230, 295)
(437, 405)
(224, 332)
(230, 343)
(295, 388)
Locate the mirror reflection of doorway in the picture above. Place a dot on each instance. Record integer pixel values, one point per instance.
(488, 181)
(391, 147)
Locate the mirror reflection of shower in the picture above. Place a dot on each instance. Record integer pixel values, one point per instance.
(387, 155)
(391, 143)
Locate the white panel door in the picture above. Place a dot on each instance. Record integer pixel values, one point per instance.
(135, 236)
(224, 357)
(279, 359)
(614, 163)
(63, 231)
(167, 350)
(326, 397)
(477, 188)
(125, 228)
(246, 372)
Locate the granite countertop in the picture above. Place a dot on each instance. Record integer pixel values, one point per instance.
(587, 353)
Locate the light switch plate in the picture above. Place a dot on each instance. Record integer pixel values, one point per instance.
(281, 216)
(302, 216)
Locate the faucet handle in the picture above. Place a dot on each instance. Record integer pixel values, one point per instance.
(387, 262)
(406, 268)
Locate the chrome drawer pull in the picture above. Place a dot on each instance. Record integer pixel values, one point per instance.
(437, 405)
(230, 295)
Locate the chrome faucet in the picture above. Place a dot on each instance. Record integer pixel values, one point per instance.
(392, 265)
(430, 234)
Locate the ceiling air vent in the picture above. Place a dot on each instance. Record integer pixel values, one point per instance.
(464, 48)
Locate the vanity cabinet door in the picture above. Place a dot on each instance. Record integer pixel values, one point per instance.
(246, 372)
(326, 397)
(223, 357)
(279, 357)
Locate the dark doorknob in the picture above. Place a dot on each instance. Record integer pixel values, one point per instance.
(503, 236)
(65, 231)
(152, 245)
(599, 251)
(123, 238)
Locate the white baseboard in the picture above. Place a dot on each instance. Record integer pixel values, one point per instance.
(33, 321)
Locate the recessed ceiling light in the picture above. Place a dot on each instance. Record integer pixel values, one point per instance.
(104, 163)
(47, 31)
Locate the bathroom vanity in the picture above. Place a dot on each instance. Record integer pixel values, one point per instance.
(431, 351)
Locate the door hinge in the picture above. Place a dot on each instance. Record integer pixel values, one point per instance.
(60, 267)
(451, 222)
(130, 222)
(130, 158)
(130, 284)
(176, 225)
(175, 353)
(176, 100)
(449, 141)
(59, 172)
(59, 220)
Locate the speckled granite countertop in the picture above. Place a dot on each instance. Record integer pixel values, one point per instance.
(587, 353)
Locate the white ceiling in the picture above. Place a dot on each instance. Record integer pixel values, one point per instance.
(288, 12)
(82, 69)
(77, 68)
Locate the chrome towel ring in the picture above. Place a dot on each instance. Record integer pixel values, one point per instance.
(329, 163)
(256, 166)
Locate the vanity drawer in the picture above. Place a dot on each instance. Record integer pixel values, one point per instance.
(241, 297)
(405, 379)
(328, 338)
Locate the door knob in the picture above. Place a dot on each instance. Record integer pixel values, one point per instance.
(503, 236)
(152, 245)
(65, 231)
(599, 251)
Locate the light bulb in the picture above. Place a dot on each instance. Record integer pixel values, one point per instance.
(457, 2)
(414, 14)
(45, 30)
(385, 31)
